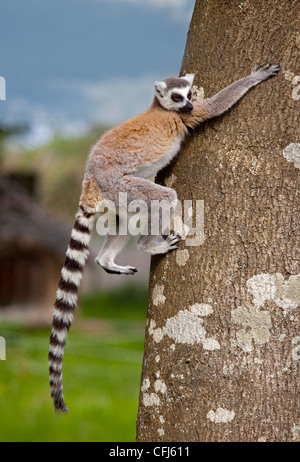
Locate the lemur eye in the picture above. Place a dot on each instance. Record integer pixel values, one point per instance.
(176, 98)
(189, 95)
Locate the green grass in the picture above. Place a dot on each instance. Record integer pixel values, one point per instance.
(127, 302)
(101, 380)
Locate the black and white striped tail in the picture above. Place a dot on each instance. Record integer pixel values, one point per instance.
(66, 301)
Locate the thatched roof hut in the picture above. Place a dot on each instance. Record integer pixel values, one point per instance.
(32, 248)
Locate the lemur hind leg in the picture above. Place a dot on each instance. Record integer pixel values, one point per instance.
(113, 245)
(158, 218)
(158, 224)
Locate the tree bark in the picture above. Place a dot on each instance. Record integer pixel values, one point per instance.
(222, 347)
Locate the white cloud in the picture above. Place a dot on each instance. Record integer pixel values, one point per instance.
(113, 100)
(43, 122)
(106, 102)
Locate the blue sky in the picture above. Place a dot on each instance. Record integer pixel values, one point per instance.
(72, 63)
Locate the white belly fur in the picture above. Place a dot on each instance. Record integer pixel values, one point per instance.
(152, 168)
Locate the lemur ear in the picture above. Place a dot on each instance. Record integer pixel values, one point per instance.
(189, 78)
(160, 87)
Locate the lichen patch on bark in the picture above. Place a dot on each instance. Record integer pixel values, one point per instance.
(186, 327)
(182, 257)
(221, 415)
(285, 293)
(158, 297)
(292, 154)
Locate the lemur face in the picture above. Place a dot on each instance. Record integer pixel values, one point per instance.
(175, 93)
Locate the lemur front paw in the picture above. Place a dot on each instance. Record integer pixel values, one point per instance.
(266, 71)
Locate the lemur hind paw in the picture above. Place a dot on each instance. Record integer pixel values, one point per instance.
(172, 240)
(117, 269)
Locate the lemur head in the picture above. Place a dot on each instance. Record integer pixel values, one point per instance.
(175, 93)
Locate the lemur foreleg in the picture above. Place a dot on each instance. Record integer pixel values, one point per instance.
(224, 99)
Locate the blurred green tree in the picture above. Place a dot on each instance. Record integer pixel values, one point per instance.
(7, 131)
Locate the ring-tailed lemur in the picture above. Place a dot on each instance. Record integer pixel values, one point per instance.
(122, 161)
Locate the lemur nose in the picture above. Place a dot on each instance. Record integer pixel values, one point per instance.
(188, 107)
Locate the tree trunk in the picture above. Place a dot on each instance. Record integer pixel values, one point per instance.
(222, 346)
